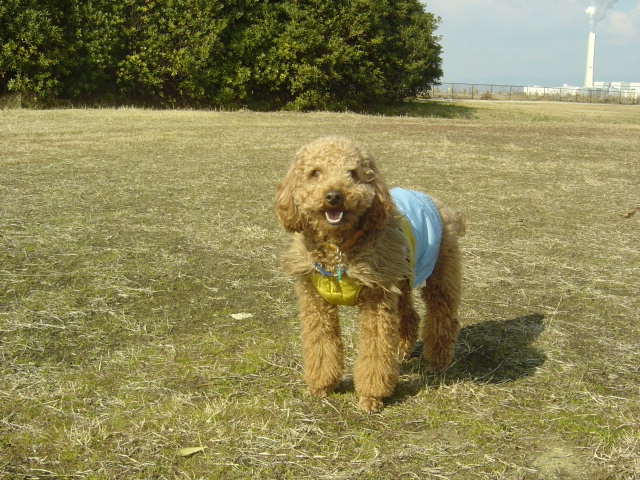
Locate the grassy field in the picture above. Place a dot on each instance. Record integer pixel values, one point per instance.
(142, 310)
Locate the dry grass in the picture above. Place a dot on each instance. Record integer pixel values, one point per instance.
(130, 237)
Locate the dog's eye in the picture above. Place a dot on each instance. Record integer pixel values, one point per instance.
(353, 174)
(316, 174)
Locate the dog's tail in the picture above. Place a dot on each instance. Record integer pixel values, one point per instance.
(460, 223)
(454, 220)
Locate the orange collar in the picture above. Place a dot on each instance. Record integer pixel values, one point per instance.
(339, 249)
(348, 244)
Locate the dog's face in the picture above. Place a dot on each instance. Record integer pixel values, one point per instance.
(333, 186)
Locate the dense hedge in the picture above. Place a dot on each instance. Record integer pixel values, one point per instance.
(295, 54)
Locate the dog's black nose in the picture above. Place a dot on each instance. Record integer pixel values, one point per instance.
(333, 198)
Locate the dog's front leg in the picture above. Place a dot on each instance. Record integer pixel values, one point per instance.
(322, 348)
(376, 368)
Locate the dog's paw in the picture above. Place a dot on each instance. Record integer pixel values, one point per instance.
(404, 350)
(409, 350)
(439, 360)
(437, 366)
(319, 392)
(370, 404)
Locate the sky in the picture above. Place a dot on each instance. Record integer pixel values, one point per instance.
(536, 42)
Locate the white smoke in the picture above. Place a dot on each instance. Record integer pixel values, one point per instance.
(598, 10)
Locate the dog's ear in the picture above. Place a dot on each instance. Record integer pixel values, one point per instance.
(382, 205)
(286, 209)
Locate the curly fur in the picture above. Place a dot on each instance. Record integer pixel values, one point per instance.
(388, 321)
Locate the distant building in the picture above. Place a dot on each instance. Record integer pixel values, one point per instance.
(630, 90)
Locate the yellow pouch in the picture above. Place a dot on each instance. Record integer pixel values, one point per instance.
(343, 292)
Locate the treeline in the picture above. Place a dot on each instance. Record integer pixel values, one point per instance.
(259, 54)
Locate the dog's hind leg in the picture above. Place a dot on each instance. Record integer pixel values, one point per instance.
(409, 322)
(322, 348)
(440, 328)
(442, 298)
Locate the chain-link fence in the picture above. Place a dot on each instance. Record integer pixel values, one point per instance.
(616, 92)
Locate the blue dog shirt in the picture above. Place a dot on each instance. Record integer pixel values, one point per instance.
(423, 216)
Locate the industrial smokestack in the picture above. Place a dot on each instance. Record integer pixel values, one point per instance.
(591, 50)
(596, 12)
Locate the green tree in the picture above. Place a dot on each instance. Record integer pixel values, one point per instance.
(32, 50)
(292, 54)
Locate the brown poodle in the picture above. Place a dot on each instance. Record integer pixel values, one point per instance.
(357, 243)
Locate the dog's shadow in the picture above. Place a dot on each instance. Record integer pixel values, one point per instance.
(494, 351)
(487, 352)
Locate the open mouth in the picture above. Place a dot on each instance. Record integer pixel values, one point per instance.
(334, 217)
